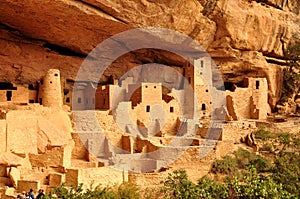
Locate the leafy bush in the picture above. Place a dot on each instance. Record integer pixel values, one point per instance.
(125, 190)
(261, 164)
(266, 147)
(209, 189)
(177, 185)
(255, 186)
(263, 134)
(250, 186)
(228, 165)
(286, 170)
(291, 77)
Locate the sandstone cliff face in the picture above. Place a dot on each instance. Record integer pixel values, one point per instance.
(245, 38)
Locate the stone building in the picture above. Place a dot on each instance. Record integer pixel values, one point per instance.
(249, 100)
(19, 94)
(50, 90)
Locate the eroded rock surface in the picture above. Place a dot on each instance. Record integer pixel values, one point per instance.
(245, 38)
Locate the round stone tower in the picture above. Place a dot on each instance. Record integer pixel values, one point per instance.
(51, 89)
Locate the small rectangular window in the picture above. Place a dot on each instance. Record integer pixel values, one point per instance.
(203, 108)
(171, 109)
(86, 101)
(257, 84)
(147, 108)
(8, 95)
(68, 100)
(79, 100)
(201, 62)
(31, 101)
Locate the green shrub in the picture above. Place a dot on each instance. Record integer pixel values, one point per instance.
(261, 164)
(286, 171)
(228, 165)
(263, 134)
(209, 189)
(266, 147)
(253, 185)
(177, 185)
(124, 191)
(291, 77)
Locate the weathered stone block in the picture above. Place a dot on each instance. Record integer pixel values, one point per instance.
(55, 179)
(14, 175)
(3, 172)
(26, 185)
(6, 181)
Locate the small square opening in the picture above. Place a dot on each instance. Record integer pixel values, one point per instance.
(171, 109)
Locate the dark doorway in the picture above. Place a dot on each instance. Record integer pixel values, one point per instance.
(171, 109)
(147, 108)
(203, 108)
(8, 95)
(257, 84)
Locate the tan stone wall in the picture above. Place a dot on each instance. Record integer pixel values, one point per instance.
(259, 88)
(33, 96)
(154, 108)
(236, 129)
(21, 95)
(21, 131)
(103, 176)
(250, 102)
(51, 158)
(203, 100)
(55, 179)
(3, 140)
(26, 185)
(79, 150)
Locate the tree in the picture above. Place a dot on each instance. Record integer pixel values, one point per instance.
(291, 77)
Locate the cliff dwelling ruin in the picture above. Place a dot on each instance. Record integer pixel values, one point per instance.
(134, 125)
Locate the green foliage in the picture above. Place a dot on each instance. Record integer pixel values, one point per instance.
(250, 186)
(177, 185)
(286, 170)
(127, 190)
(291, 77)
(209, 189)
(228, 165)
(266, 147)
(261, 164)
(253, 185)
(242, 160)
(263, 134)
(124, 191)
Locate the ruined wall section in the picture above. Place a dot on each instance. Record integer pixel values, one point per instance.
(250, 102)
